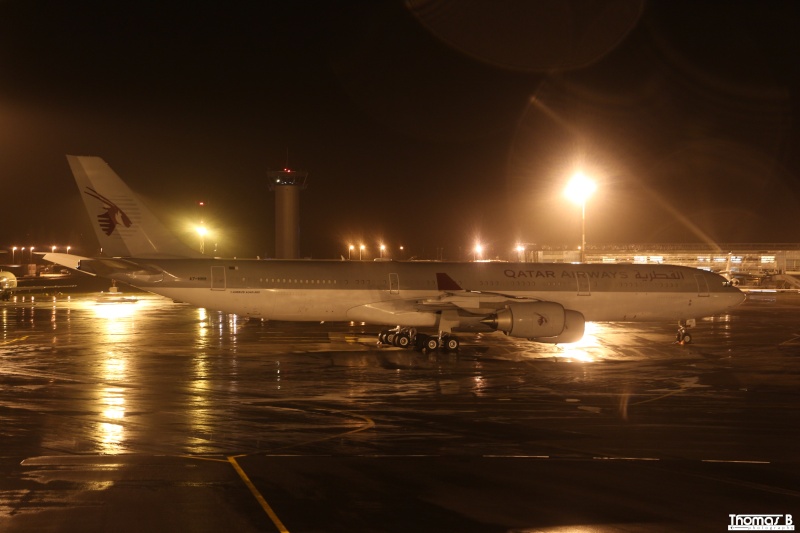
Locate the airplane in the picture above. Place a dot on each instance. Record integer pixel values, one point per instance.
(543, 302)
(9, 285)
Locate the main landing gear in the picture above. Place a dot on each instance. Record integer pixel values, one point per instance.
(684, 336)
(410, 338)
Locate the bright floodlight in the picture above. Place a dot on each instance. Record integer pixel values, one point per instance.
(579, 188)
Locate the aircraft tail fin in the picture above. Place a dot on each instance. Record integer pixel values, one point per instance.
(446, 283)
(124, 226)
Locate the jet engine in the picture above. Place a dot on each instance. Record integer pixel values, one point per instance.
(573, 329)
(7, 280)
(529, 320)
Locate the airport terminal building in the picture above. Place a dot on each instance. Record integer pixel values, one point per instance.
(775, 265)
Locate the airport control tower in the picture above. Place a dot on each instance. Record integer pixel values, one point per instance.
(287, 185)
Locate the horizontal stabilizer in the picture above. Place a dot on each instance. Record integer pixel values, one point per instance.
(70, 261)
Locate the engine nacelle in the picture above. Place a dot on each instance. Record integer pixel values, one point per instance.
(534, 319)
(7, 280)
(573, 329)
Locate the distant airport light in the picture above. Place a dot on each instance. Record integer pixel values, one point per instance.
(478, 252)
(382, 249)
(361, 251)
(350, 251)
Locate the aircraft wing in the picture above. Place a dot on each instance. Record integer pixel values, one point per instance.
(39, 288)
(453, 298)
(475, 302)
(460, 309)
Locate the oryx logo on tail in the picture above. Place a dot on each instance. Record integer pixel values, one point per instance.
(112, 216)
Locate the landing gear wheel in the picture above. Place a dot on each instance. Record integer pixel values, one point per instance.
(683, 336)
(432, 343)
(403, 340)
(451, 343)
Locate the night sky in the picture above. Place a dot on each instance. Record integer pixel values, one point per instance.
(429, 123)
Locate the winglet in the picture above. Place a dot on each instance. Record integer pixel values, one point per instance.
(446, 283)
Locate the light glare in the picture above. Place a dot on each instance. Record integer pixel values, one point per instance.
(579, 188)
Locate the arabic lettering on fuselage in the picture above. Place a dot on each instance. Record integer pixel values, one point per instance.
(641, 275)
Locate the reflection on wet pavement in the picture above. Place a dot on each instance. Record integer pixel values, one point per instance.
(86, 381)
(157, 377)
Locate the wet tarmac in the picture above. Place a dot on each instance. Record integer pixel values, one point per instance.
(155, 416)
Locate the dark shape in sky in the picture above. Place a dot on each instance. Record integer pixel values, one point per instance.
(540, 36)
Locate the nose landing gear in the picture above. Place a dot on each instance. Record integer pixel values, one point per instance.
(684, 336)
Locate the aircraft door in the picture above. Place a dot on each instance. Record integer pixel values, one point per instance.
(217, 278)
(583, 286)
(394, 284)
(702, 285)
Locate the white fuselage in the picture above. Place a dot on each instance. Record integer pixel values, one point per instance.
(409, 293)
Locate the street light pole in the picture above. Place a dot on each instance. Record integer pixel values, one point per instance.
(202, 231)
(583, 231)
